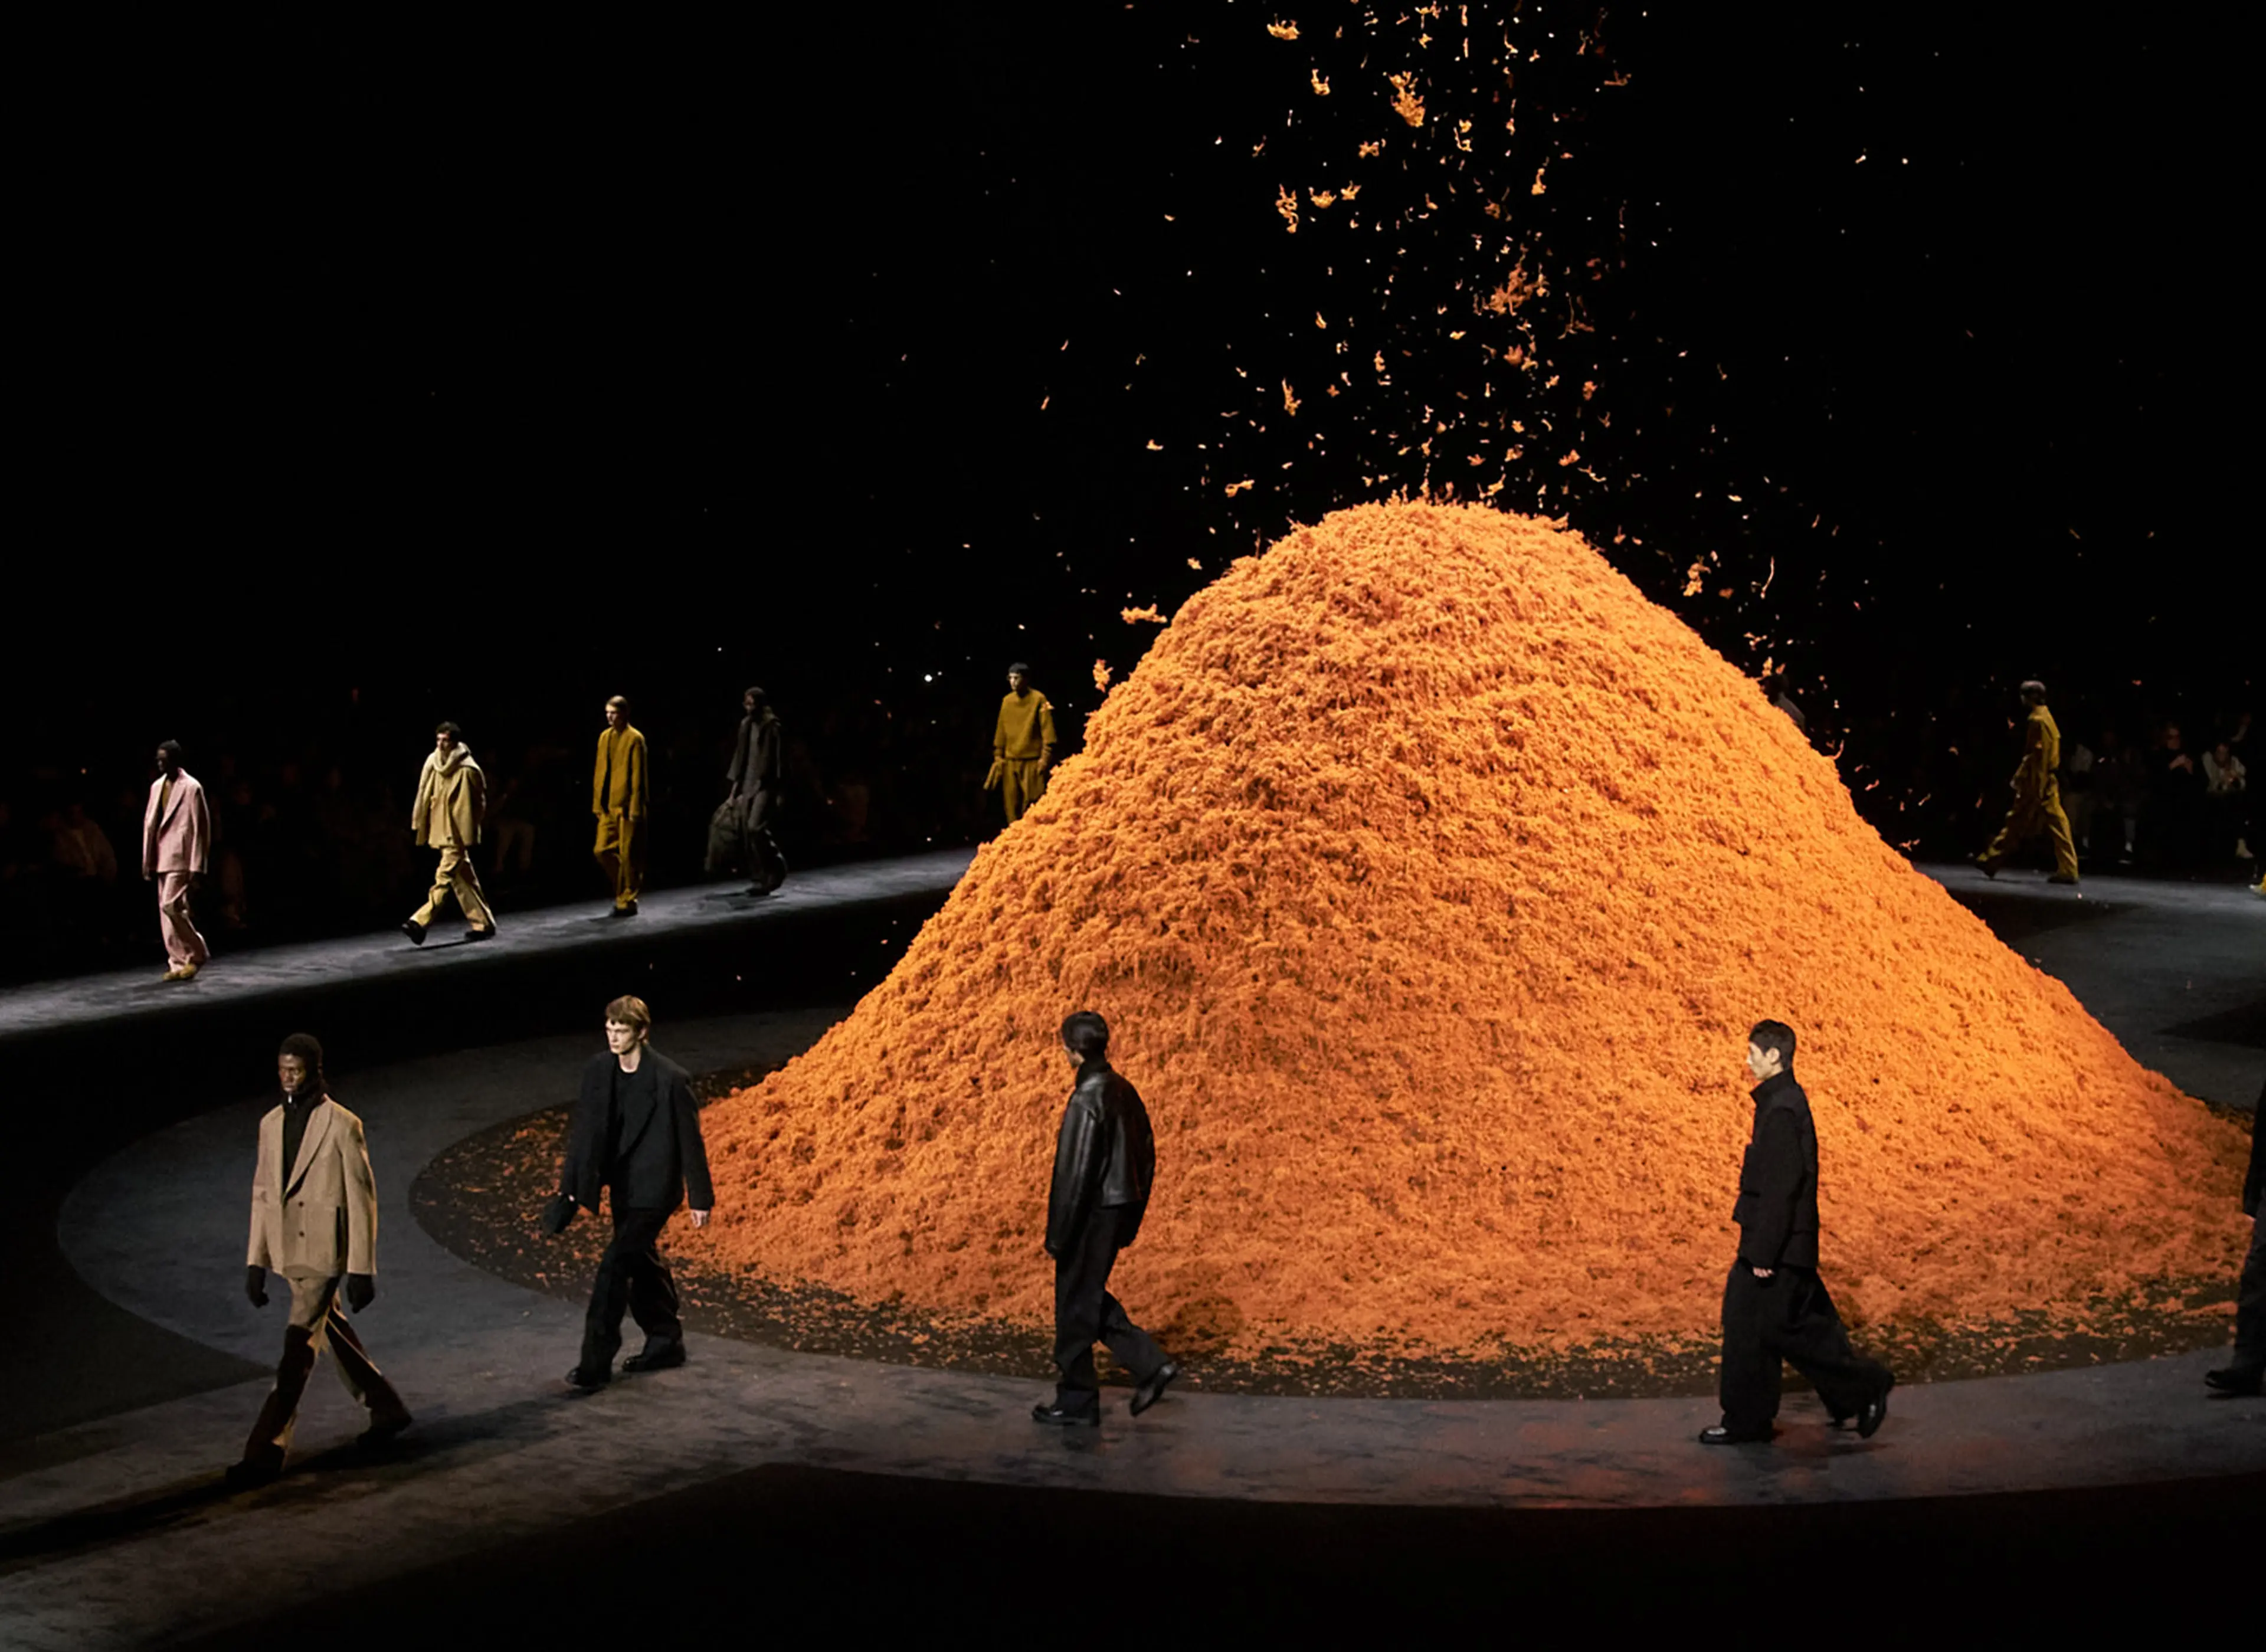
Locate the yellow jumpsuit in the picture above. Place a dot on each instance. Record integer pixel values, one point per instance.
(1022, 750)
(2037, 802)
(619, 792)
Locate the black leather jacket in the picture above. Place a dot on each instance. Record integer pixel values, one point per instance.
(1105, 1156)
(1777, 1211)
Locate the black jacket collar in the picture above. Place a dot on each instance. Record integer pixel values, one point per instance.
(1774, 1086)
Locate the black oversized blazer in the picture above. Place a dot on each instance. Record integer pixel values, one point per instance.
(1777, 1209)
(663, 1156)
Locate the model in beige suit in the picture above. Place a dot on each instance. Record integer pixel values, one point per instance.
(176, 844)
(316, 1224)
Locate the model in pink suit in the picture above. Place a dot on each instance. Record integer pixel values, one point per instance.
(176, 844)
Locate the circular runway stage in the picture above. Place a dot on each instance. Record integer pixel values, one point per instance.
(114, 1534)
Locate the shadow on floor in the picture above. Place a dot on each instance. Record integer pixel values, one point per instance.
(764, 1549)
(2014, 915)
(2245, 1024)
(342, 1473)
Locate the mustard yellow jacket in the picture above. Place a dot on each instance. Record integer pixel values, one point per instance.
(621, 752)
(464, 790)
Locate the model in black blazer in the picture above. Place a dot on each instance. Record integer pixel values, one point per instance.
(638, 1137)
(661, 1156)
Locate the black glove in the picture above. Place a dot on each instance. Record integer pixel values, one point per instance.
(255, 1285)
(361, 1290)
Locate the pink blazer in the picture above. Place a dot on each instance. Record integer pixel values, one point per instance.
(181, 842)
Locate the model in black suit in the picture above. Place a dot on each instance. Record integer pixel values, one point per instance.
(2247, 1374)
(1105, 1163)
(1774, 1305)
(636, 1133)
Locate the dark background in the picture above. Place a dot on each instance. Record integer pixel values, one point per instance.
(369, 381)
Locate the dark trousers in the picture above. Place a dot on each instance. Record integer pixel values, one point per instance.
(2250, 1302)
(1787, 1317)
(759, 857)
(631, 1275)
(1085, 1312)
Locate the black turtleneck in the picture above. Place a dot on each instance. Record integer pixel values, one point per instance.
(295, 1109)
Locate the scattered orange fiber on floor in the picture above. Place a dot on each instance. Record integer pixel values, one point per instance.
(1430, 877)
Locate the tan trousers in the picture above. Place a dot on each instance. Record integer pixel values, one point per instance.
(2026, 819)
(1022, 783)
(316, 1320)
(620, 849)
(454, 876)
(183, 944)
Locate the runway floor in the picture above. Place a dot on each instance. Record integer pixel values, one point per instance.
(930, 1491)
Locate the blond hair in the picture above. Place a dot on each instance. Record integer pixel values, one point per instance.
(631, 1011)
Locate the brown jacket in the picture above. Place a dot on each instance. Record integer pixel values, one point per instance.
(321, 1219)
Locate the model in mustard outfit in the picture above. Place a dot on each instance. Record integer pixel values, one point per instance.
(620, 790)
(1022, 744)
(452, 802)
(2037, 795)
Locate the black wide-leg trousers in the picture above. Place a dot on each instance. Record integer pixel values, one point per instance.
(2250, 1302)
(1086, 1313)
(631, 1275)
(1787, 1317)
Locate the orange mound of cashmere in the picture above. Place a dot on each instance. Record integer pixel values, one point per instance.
(1430, 878)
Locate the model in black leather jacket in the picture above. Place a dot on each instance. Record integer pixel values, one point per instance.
(1105, 1156)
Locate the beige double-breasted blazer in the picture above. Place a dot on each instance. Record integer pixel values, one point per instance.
(323, 1217)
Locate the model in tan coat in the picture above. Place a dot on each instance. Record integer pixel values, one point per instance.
(176, 848)
(314, 1220)
(453, 804)
(1022, 744)
(2036, 786)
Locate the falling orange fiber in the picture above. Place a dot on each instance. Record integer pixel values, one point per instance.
(1431, 877)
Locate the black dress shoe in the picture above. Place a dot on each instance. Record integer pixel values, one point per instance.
(1721, 1436)
(626, 911)
(2237, 1379)
(415, 930)
(667, 1356)
(583, 1382)
(382, 1433)
(1084, 1417)
(1147, 1393)
(252, 1472)
(1875, 1411)
(480, 934)
(1988, 869)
